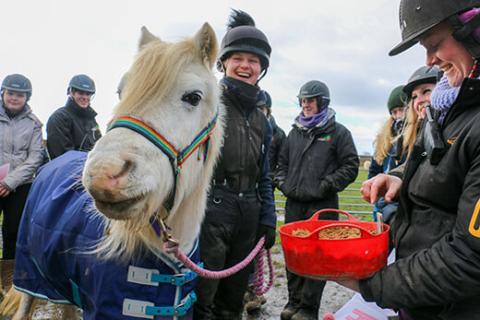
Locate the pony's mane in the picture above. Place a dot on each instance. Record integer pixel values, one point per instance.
(151, 76)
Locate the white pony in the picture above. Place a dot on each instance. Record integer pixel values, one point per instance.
(152, 167)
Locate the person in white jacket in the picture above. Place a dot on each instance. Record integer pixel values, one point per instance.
(21, 154)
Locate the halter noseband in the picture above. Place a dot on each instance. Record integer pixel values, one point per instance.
(177, 158)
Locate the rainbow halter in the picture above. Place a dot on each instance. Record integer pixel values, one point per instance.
(177, 158)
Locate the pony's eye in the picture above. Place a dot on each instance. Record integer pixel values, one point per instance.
(192, 98)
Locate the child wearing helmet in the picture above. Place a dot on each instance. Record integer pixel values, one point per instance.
(240, 207)
(264, 103)
(73, 127)
(436, 230)
(388, 152)
(21, 152)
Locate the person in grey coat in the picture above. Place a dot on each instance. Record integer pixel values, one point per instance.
(21, 154)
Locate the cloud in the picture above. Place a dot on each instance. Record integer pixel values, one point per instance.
(344, 44)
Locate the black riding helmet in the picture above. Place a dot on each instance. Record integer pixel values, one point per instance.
(422, 75)
(315, 88)
(417, 17)
(81, 82)
(243, 36)
(17, 82)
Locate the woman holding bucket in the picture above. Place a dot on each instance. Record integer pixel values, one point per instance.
(437, 228)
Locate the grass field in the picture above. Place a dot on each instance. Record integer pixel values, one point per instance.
(356, 204)
(350, 201)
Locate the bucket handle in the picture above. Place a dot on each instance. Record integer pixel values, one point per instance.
(364, 232)
(349, 216)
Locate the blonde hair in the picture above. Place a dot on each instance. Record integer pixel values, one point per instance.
(383, 141)
(151, 76)
(410, 129)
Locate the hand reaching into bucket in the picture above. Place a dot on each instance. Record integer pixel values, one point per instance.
(381, 185)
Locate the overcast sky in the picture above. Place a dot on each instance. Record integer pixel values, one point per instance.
(342, 43)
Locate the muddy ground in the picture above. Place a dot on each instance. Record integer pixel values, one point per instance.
(334, 296)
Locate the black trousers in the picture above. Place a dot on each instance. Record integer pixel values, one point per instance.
(304, 292)
(12, 208)
(228, 235)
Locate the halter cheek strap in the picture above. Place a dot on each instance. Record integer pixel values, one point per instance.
(177, 158)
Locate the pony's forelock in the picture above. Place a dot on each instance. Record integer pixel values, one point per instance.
(153, 74)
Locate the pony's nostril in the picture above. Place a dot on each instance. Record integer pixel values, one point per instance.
(108, 181)
(127, 167)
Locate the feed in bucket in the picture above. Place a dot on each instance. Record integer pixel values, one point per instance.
(333, 233)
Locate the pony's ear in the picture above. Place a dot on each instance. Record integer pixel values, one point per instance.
(207, 45)
(145, 38)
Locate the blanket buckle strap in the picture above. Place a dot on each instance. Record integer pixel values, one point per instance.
(147, 310)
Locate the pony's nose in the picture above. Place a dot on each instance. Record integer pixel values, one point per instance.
(107, 184)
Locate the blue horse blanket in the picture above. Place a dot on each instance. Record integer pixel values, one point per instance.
(59, 226)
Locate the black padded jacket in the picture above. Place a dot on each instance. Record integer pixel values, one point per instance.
(436, 231)
(315, 164)
(71, 128)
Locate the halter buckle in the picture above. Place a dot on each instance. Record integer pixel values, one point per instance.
(166, 235)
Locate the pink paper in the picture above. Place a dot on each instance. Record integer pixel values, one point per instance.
(4, 170)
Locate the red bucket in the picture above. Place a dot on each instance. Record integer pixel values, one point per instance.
(336, 259)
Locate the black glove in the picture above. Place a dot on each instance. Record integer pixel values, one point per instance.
(323, 189)
(269, 233)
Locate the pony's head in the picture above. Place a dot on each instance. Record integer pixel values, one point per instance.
(171, 97)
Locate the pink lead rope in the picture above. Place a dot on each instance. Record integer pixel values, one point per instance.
(171, 246)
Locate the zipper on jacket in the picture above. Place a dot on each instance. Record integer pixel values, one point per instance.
(10, 136)
(248, 141)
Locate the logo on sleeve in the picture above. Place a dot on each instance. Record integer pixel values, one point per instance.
(451, 140)
(474, 227)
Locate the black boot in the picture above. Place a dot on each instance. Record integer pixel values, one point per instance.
(288, 311)
(305, 314)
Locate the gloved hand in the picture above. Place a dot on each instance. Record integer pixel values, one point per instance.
(269, 233)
